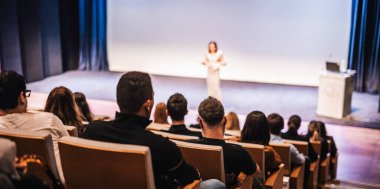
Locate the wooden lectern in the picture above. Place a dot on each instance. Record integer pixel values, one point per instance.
(335, 94)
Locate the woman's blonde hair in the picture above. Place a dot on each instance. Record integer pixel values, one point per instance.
(160, 115)
(232, 121)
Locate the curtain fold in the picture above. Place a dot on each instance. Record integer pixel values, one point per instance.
(93, 35)
(364, 51)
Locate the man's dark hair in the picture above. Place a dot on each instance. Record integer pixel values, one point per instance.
(211, 111)
(11, 85)
(133, 90)
(275, 123)
(177, 107)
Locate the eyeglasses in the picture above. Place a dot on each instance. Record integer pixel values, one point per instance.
(27, 93)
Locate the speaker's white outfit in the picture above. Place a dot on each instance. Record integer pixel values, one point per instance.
(213, 79)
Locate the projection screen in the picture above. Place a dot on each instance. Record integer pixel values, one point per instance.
(271, 41)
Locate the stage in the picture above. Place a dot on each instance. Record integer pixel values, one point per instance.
(241, 97)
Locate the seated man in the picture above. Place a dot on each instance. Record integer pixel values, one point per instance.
(276, 124)
(236, 158)
(14, 114)
(135, 100)
(176, 110)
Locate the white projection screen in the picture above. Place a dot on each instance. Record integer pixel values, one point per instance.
(270, 41)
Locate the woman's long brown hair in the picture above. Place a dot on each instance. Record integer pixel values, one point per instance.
(61, 103)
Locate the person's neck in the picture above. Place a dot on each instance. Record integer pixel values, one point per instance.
(174, 122)
(12, 111)
(213, 133)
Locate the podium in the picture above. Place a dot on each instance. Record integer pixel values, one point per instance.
(335, 94)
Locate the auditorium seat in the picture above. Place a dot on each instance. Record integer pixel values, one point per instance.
(73, 131)
(302, 147)
(174, 136)
(208, 159)
(34, 143)
(158, 127)
(324, 164)
(257, 153)
(296, 176)
(94, 164)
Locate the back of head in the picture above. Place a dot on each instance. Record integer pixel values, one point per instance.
(133, 90)
(294, 124)
(177, 107)
(80, 100)
(256, 129)
(160, 114)
(311, 128)
(11, 86)
(275, 123)
(322, 129)
(211, 111)
(61, 103)
(232, 121)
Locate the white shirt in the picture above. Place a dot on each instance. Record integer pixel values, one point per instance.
(295, 156)
(37, 121)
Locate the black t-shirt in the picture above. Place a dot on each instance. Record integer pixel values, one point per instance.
(182, 130)
(236, 159)
(130, 129)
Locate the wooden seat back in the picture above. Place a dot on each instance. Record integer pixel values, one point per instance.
(283, 150)
(39, 143)
(301, 146)
(256, 152)
(94, 164)
(207, 159)
(174, 136)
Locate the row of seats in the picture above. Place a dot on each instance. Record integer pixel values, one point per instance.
(85, 163)
(294, 178)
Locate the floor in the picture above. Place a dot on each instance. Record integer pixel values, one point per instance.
(358, 147)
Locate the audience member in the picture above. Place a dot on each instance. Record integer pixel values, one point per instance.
(232, 121)
(256, 131)
(84, 108)
(14, 114)
(176, 110)
(61, 103)
(333, 150)
(294, 123)
(135, 100)
(276, 124)
(236, 159)
(160, 115)
(319, 134)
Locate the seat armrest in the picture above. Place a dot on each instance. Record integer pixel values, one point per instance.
(245, 181)
(275, 179)
(196, 184)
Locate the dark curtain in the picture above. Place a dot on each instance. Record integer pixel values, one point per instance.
(364, 52)
(92, 35)
(30, 37)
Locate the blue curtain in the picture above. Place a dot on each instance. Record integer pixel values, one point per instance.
(93, 35)
(364, 52)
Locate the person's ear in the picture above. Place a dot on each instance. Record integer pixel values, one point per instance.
(22, 98)
(224, 122)
(148, 105)
(200, 121)
(187, 111)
